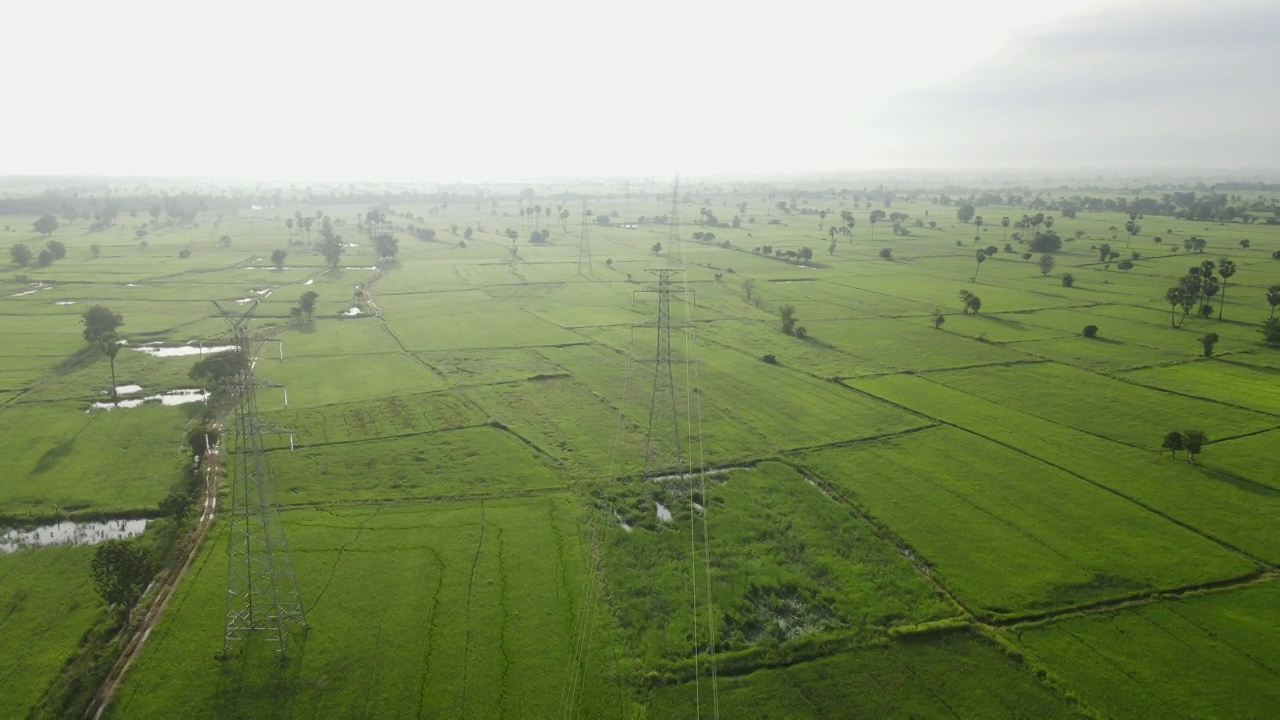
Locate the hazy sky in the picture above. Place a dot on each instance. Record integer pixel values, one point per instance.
(503, 90)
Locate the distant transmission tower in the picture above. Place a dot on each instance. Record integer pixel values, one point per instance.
(584, 244)
(674, 247)
(262, 592)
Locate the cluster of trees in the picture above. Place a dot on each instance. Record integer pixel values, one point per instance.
(53, 250)
(804, 254)
(1193, 441)
(1184, 205)
(532, 217)
(969, 301)
(330, 244)
(1199, 285)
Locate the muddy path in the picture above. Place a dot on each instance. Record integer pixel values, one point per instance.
(210, 467)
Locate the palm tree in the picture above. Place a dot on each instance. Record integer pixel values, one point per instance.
(875, 217)
(1273, 298)
(1004, 223)
(289, 224)
(1226, 268)
(1173, 296)
(981, 257)
(110, 346)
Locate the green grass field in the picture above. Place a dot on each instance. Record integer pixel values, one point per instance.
(972, 520)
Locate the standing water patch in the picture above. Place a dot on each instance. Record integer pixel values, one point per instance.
(183, 350)
(173, 397)
(70, 533)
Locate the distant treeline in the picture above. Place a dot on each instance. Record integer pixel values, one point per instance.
(104, 206)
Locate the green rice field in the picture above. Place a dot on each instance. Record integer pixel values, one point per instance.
(880, 516)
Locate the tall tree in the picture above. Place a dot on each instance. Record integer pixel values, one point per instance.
(307, 303)
(386, 245)
(1273, 299)
(875, 217)
(1173, 442)
(1004, 223)
(1207, 341)
(981, 257)
(1193, 441)
(21, 254)
(45, 225)
(1226, 268)
(1046, 264)
(332, 248)
(121, 571)
(110, 346)
(788, 315)
(1132, 228)
(99, 322)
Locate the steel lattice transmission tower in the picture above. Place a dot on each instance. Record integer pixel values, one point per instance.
(584, 244)
(262, 592)
(673, 452)
(664, 448)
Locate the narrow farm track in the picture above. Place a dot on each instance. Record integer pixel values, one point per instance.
(210, 465)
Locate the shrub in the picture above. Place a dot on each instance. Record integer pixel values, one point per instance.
(1068, 280)
(1271, 332)
(1091, 331)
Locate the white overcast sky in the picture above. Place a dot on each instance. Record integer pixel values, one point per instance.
(473, 90)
